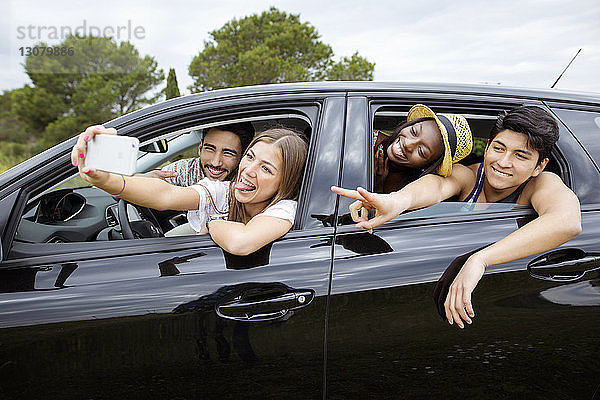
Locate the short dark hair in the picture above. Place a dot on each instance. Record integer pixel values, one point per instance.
(535, 123)
(244, 130)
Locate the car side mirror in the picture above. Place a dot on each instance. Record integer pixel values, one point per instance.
(160, 146)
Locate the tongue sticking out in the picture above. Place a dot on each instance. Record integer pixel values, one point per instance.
(244, 186)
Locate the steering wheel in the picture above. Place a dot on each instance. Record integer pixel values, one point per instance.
(138, 229)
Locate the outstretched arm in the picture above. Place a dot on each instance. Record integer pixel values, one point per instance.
(558, 221)
(159, 174)
(149, 192)
(425, 191)
(243, 239)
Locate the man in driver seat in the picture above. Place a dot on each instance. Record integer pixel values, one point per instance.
(219, 154)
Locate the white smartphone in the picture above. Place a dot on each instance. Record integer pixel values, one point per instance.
(113, 153)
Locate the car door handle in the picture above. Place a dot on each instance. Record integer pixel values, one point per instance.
(266, 309)
(564, 265)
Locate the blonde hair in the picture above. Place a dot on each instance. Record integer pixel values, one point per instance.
(293, 150)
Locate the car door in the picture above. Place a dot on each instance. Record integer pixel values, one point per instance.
(535, 331)
(172, 317)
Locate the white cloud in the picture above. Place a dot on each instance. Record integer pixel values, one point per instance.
(523, 43)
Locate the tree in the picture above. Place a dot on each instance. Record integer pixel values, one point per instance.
(12, 128)
(117, 67)
(37, 106)
(268, 48)
(172, 89)
(354, 68)
(96, 81)
(15, 140)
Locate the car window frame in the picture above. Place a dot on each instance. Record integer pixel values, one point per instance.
(445, 103)
(311, 109)
(556, 108)
(559, 157)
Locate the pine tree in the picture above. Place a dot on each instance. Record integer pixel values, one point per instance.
(172, 89)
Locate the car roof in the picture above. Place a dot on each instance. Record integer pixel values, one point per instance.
(374, 86)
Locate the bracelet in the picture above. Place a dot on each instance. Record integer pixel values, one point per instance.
(124, 184)
(214, 217)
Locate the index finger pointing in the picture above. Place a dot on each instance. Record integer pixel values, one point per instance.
(352, 194)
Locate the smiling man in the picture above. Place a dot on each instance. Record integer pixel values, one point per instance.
(219, 154)
(512, 171)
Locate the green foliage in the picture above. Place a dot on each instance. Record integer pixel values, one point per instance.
(270, 47)
(99, 81)
(37, 106)
(16, 143)
(116, 73)
(12, 153)
(479, 146)
(12, 129)
(6, 103)
(172, 89)
(62, 128)
(355, 68)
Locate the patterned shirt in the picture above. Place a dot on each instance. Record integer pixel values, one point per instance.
(189, 172)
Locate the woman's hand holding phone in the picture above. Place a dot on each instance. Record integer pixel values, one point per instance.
(94, 176)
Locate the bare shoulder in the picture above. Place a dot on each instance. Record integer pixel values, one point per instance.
(463, 170)
(545, 181)
(546, 190)
(474, 168)
(464, 178)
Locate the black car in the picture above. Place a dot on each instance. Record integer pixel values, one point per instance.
(95, 303)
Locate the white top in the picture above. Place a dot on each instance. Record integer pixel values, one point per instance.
(219, 192)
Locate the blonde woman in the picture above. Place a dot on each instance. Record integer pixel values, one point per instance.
(241, 216)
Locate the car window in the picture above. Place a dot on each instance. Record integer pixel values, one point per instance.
(74, 182)
(585, 125)
(387, 118)
(185, 145)
(74, 211)
(481, 118)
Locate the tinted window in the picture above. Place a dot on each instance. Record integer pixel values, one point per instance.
(586, 127)
(58, 217)
(386, 119)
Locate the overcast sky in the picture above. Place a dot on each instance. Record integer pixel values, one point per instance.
(511, 42)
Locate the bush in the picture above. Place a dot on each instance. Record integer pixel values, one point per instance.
(12, 153)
